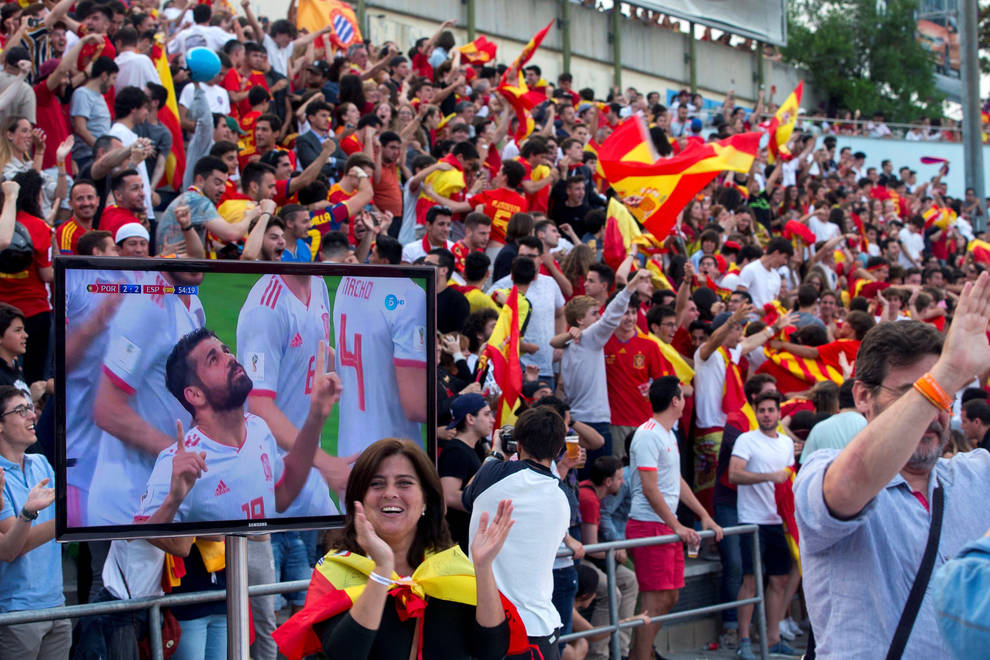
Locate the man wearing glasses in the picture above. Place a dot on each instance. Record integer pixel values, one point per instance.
(865, 512)
(30, 560)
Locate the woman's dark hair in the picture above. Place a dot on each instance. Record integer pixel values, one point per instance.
(29, 196)
(475, 326)
(351, 91)
(432, 533)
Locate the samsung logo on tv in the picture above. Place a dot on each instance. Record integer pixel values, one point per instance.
(258, 524)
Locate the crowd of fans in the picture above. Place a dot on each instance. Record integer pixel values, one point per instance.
(652, 358)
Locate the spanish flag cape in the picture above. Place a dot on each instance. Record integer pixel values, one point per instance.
(339, 579)
(796, 374)
(783, 493)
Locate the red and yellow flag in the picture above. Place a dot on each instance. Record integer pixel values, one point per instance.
(168, 114)
(660, 279)
(733, 395)
(339, 579)
(796, 374)
(980, 251)
(783, 493)
(782, 125)
(479, 51)
(502, 352)
(521, 100)
(314, 15)
(528, 50)
(666, 185)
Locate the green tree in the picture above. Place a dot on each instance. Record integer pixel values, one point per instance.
(984, 38)
(862, 54)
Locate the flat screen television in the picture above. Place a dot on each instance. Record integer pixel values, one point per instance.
(226, 355)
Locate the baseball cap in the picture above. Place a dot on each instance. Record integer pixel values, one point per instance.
(48, 67)
(234, 126)
(464, 405)
(131, 230)
(719, 320)
(321, 67)
(530, 389)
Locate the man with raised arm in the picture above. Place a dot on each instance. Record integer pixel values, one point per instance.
(864, 512)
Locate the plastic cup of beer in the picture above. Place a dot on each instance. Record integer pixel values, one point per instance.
(573, 450)
(692, 549)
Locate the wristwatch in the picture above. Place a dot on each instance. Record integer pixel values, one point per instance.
(28, 516)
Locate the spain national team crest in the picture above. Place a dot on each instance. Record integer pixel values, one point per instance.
(639, 361)
(267, 467)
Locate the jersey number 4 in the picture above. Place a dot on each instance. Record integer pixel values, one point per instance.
(352, 357)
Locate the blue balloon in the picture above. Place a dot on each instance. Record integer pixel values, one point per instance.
(203, 64)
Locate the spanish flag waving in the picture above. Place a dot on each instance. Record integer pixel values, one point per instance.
(528, 50)
(502, 351)
(782, 125)
(168, 114)
(340, 577)
(666, 185)
(521, 101)
(479, 51)
(980, 251)
(783, 494)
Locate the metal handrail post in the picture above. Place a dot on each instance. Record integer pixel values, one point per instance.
(155, 632)
(613, 602)
(238, 631)
(761, 611)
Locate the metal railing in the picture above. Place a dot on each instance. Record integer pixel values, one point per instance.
(613, 605)
(154, 604)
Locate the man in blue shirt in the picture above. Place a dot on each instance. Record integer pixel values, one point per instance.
(30, 560)
(864, 511)
(297, 228)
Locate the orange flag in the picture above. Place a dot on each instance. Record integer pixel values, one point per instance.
(666, 185)
(782, 125)
(479, 51)
(168, 114)
(314, 15)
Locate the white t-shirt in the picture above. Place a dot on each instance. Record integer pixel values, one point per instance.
(762, 454)
(239, 484)
(82, 435)
(709, 386)
(136, 70)
(762, 284)
(823, 230)
(911, 242)
(380, 324)
(217, 97)
(128, 137)
(415, 249)
(135, 362)
(653, 454)
(545, 298)
(278, 336)
(204, 36)
(279, 57)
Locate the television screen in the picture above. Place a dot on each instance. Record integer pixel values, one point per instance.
(274, 376)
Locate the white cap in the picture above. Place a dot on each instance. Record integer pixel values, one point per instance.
(131, 230)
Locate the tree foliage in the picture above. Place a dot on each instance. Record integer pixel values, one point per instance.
(984, 38)
(862, 54)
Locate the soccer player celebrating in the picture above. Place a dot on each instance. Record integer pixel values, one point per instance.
(227, 467)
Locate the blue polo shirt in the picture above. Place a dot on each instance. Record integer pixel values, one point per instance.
(33, 580)
(302, 252)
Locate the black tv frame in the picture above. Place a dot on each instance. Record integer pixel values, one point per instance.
(219, 527)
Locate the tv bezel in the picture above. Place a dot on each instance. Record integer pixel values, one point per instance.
(62, 264)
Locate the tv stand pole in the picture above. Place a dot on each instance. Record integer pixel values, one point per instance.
(238, 626)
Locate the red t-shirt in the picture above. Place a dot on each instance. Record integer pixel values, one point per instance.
(351, 145)
(114, 217)
(248, 122)
(537, 201)
(67, 236)
(25, 290)
(500, 205)
(629, 368)
(421, 66)
(388, 190)
(281, 196)
(589, 504)
(53, 119)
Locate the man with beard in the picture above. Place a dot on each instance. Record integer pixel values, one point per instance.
(759, 460)
(228, 467)
(83, 200)
(864, 512)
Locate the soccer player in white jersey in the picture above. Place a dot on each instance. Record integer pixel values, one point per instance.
(132, 406)
(380, 327)
(279, 328)
(227, 467)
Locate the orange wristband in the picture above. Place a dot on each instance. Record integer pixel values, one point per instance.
(929, 388)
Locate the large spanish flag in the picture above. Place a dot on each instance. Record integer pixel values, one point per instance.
(632, 233)
(340, 577)
(314, 15)
(502, 352)
(666, 185)
(782, 125)
(682, 369)
(796, 374)
(479, 51)
(175, 162)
